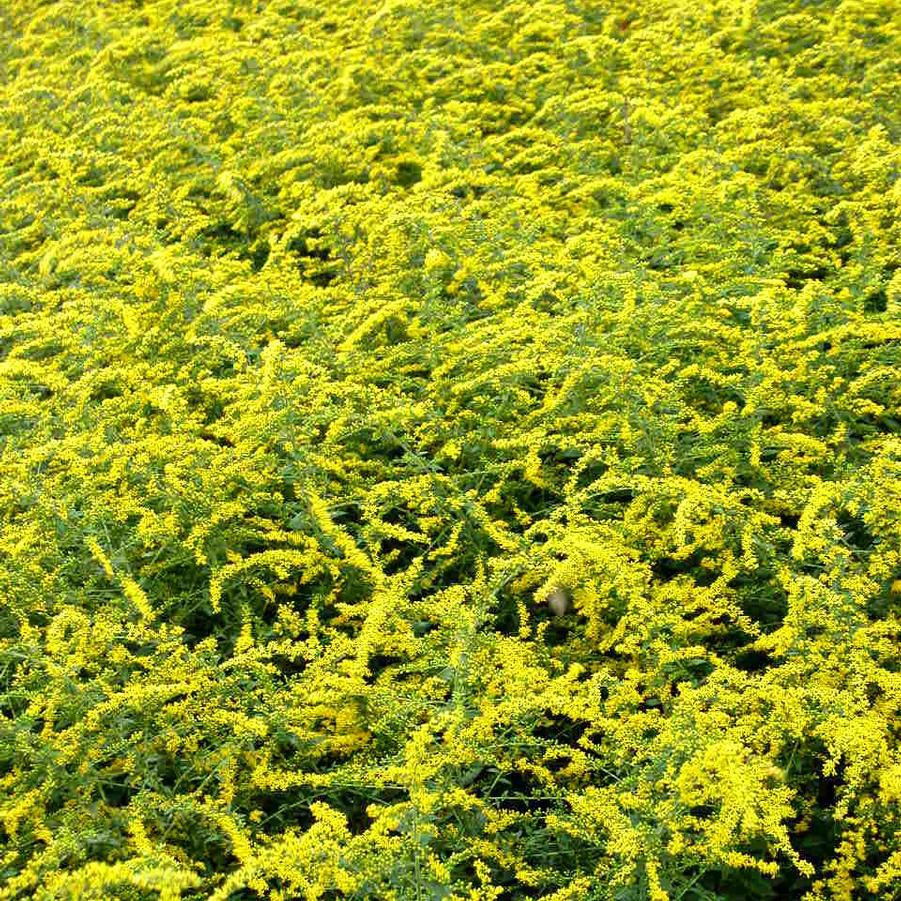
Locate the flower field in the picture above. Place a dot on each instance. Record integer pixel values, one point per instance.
(450, 450)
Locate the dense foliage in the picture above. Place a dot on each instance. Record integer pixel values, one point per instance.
(336, 336)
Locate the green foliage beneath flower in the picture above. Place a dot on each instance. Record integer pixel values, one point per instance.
(335, 337)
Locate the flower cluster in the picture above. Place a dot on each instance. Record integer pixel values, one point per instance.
(450, 450)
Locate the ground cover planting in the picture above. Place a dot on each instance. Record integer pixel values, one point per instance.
(450, 450)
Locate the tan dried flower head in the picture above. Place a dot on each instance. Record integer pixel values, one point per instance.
(559, 602)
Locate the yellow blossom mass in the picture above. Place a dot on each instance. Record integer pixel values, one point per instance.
(450, 449)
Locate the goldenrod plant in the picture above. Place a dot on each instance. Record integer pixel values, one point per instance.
(450, 449)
